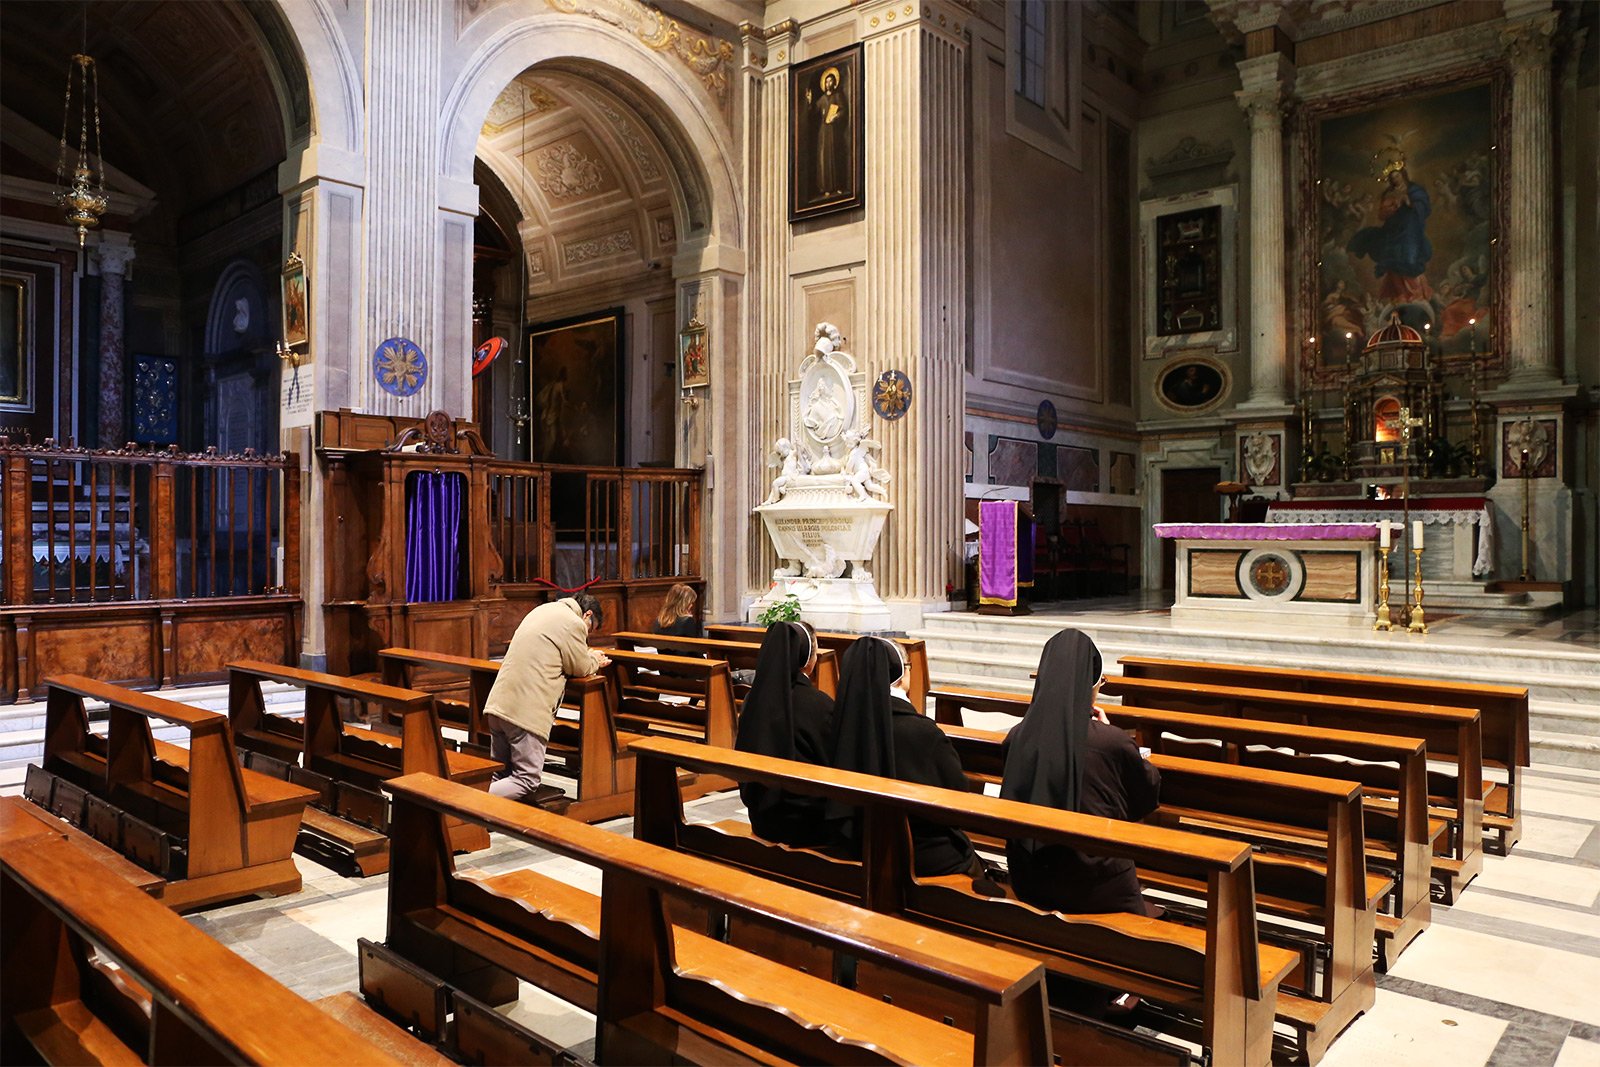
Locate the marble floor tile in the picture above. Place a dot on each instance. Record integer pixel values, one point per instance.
(1554, 837)
(551, 1017)
(1418, 1033)
(1575, 800)
(1556, 921)
(1570, 883)
(1577, 1052)
(1534, 977)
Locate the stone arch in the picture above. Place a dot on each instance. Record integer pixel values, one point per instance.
(334, 79)
(681, 113)
(239, 280)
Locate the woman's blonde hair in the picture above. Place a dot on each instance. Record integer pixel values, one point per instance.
(679, 602)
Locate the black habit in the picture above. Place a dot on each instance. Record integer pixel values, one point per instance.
(1061, 756)
(786, 717)
(876, 732)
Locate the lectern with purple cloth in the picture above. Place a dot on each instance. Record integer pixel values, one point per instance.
(1281, 574)
(1005, 557)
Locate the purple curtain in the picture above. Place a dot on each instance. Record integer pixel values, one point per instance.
(433, 528)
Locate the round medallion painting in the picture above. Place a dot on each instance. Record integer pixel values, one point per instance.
(1046, 419)
(399, 366)
(891, 395)
(486, 354)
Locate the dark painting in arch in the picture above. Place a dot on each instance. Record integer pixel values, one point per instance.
(575, 390)
(1192, 385)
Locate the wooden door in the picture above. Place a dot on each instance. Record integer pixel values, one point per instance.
(1187, 495)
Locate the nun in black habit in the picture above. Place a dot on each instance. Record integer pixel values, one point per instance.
(877, 731)
(785, 716)
(1065, 755)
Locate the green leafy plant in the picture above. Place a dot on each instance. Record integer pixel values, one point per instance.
(785, 610)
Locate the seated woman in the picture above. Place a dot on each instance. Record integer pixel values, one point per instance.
(677, 614)
(1065, 755)
(785, 716)
(877, 731)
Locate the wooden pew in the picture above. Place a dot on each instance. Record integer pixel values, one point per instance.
(212, 829)
(178, 996)
(661, 993)
(916, 651)
(1218, 982)
(346, 765)
(1502, 710)
(1454, 732)
(1326, 887)
(585, 742)
(1399, 842)
(739, 655)
(19, 818)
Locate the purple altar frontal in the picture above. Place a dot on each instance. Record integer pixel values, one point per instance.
(1267, 531)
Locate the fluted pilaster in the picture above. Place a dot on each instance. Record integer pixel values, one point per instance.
(403, 100)
(1266, 81)
(1531, 351)
(916, 294)
(775, 343)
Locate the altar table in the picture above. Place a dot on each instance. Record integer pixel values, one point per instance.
(1451, 554)
(1282, 574)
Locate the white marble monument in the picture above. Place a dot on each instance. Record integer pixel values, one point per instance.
(826, 507)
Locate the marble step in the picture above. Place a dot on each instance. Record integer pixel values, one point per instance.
(1565, 750)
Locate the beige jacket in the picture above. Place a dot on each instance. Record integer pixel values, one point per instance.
(549, 647)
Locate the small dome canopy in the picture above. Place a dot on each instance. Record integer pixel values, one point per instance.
(1396, 333)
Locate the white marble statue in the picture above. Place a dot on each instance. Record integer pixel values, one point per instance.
(825, 509)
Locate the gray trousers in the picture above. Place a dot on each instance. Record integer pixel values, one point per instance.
(523, 755)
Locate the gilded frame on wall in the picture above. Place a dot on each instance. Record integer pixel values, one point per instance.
(575, 390)
(694, 362)
(1192, 384)
(16, 353)
(1402, 188)
(296, 303)
(827, 135)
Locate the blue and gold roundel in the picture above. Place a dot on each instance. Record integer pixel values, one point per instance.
(399, 366)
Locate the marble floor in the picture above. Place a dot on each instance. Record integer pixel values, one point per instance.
(1509, 976)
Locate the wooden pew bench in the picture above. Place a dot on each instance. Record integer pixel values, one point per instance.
(1502, 711)
(174, 995)
(212, 829)
(662, 993)
(1310, 869)
(1398, 841)
(659, 695)
(347, 764)
(1453, 731)
(915, 648)
(740, 655)
(20, 818)
(584, 742)
(1217, 984)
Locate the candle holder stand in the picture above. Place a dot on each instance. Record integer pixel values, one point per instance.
(1418, 624)
(1382, 620)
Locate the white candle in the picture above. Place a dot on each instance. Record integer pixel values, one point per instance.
(1383, 534)
(1416, 533)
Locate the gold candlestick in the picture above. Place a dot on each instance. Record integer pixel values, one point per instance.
(1418, 624)
(1382, 621)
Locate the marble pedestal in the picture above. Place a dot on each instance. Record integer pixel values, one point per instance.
(848, 604)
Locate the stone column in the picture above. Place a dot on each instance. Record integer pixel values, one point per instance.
(1530, 348)
(916, 282)
(1266, 81)
(113, 262)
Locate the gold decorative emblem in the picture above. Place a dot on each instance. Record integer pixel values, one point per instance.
(1270, 575)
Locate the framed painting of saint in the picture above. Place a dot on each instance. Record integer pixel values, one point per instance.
(296, 304)
(575, 390)
(826, 135)
(1406, 215)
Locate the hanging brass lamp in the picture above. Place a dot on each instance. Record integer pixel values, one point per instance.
(82, 201)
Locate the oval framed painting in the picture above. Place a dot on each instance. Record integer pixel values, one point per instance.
(1192, 384)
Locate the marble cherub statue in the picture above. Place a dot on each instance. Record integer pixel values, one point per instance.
(790, 463)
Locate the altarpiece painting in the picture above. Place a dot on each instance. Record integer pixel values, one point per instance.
(575, 384)
(1406, 213)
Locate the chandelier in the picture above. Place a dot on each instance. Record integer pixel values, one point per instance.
(82, 201)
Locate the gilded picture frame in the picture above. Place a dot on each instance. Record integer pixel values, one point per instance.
(296, 303)
(827, 135)
(694, 361)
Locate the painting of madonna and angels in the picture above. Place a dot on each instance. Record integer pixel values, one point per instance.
(1406, 218)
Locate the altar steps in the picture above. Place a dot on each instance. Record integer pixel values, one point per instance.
(989, 652)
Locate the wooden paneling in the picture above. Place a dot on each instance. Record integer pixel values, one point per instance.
(1214, 573)
(205, 644)
(122, 652)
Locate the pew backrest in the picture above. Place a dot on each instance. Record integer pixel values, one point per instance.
(915, 648)
(685, 690)
(739, 654)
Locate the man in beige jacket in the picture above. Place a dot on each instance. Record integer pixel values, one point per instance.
(550, 646)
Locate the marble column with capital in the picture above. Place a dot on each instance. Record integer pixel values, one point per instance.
(113, 263)
(1266, 81)
(1531, 349)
